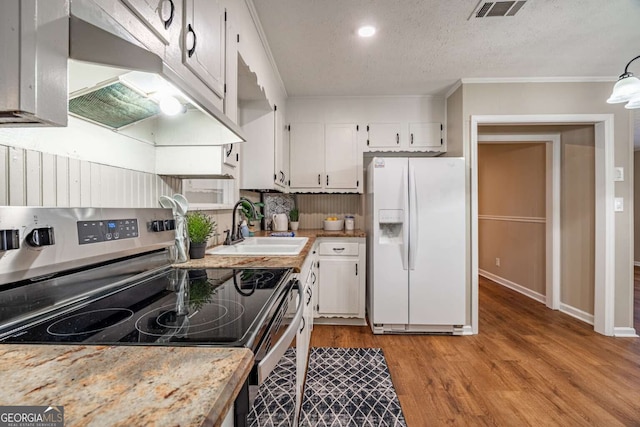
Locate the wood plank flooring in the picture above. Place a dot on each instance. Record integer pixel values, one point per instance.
(529, 366)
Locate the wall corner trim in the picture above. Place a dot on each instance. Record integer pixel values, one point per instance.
(623, 332)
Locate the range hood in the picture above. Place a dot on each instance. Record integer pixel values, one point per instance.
(64, 59)
(116, 83)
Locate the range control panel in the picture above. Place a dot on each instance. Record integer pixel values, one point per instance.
(106, 230)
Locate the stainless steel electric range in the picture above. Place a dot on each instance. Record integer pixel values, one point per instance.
(104, 276)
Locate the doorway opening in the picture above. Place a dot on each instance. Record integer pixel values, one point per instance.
(604, 275)
(519, 213)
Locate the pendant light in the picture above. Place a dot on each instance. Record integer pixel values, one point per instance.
(627, 89)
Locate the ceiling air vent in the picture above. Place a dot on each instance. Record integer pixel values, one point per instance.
(485, 9)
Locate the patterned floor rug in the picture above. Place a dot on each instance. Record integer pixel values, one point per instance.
(349, 387)
(275, 402)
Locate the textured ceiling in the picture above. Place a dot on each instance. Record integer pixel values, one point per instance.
(425, 46)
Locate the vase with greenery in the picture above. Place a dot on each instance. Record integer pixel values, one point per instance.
(250, 214)
(200, 227)
(294, 217)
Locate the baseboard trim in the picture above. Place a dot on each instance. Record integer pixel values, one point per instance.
(513, 286)
(622, 332)
(576, 313)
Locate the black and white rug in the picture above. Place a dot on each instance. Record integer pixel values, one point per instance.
(349, 387)
(275, 402)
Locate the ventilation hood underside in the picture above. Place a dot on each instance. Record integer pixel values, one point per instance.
(115, 83)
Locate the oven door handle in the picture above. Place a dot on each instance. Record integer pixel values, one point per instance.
(271, 359)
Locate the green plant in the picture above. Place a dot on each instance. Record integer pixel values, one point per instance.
(294, 215)
(245, 208)
(200, 293)
(200, 226)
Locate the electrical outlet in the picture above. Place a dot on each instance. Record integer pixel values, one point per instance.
(497, 262)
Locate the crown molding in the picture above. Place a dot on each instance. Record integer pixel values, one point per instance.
(454, 88)
(482, 80)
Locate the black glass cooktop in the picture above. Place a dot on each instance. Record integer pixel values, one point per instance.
(209, 307)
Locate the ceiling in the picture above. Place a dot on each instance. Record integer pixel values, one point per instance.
(423, 47)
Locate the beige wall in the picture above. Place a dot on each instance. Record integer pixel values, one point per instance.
(577, 219)
(454, 124)
(636, 205)
(512, 208)
(570, 98)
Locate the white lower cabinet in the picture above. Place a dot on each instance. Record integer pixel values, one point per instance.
(307, 277)
(341, 273)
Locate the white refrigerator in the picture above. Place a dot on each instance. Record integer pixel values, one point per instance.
(417, 244)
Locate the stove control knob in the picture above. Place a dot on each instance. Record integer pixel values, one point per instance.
(41, 237)
(9, 239)
(157, 225)
(169, 224)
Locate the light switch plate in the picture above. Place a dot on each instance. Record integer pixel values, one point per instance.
(618, 174)
(618, 204)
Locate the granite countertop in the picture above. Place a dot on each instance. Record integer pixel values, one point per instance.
(125, 385)
(295, 262)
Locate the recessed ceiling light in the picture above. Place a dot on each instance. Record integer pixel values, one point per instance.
(366, 31)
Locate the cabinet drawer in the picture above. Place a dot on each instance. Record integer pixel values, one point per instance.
(339, 248)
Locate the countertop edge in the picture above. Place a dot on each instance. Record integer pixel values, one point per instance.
(293, 262)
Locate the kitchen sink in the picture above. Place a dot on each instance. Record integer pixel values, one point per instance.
(273, 246)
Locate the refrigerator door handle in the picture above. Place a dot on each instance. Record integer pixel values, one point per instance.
(405, 225)
(413, 218)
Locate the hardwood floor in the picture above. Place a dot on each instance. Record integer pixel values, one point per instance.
(528, 366)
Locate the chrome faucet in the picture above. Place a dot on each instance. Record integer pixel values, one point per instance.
(235, 235)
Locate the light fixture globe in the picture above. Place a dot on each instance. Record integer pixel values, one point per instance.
(633, 103)
(626, 88)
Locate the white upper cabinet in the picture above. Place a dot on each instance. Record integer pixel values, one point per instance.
(426, 135)
(307, 155)
(204, 42)
(158, 15)
(263, 153)
(324, 157)
(341, 156)
(383, 135)
(281, 177)
(394, 136)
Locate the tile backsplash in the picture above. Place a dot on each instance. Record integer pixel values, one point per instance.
(275, 203)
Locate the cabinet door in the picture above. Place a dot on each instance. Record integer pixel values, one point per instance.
(157, 15)
(204, 41)
(339, 292)
(425, 135)
(341, 156)
(385, 135)
(231, 71)
(307, 155)
(279, 177)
